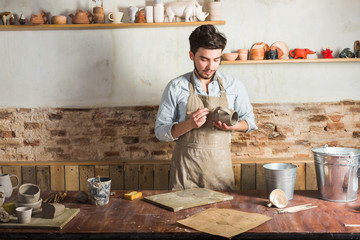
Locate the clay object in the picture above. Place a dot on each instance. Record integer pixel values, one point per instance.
(230, 56)
(6, 183)
(28, 193)
(278, 198)
(300, 53)
(4, 17)
(272, 54)
(327, 53)
(4, 216)
(58, 20)
(22, 19)
(226, 115)
(132, 13)
(257, 54)
(2, 196)
(52, 210)
(190, 10)
(140, 17)
(98, 15)
(81, 17)
(357, 48)
(82, 197)
(12, 20)
(346, 53)
(41, 18)
(282, 48)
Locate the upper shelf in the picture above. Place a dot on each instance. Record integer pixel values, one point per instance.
(319, 60)
(102, 26)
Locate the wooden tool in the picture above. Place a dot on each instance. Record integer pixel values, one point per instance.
(295, 208)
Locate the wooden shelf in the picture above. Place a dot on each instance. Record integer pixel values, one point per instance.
(102, 26)
(319, 60)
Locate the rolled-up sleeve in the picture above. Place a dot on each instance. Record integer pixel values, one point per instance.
(244, 108)
(166, 115)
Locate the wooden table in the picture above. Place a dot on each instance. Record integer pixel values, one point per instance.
(137, 219)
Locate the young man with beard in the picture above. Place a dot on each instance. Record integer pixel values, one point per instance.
(202, 156)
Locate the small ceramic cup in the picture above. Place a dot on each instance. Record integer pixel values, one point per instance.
(115, 17)
(58, 20)
(23, 214)
(243, 54)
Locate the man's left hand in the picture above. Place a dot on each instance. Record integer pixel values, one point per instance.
(222, 126)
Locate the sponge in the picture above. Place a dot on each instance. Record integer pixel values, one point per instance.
(132, 195)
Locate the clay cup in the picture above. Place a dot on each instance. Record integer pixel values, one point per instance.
(115, 17)
(23, 214)
(28, 193)
(243, 54)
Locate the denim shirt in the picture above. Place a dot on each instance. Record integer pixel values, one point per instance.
(172, 109)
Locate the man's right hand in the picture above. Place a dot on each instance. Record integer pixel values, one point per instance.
(198, 118)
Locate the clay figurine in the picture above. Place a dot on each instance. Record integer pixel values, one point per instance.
(132, 13)
(81, 17)
(300, 53)
(327, 53)
(22, 19)
(272, 54)
(190, 10)
(140, 18)
(357, 48)
(4, 17)
(41, 18)
(12, 20)
(346, 53)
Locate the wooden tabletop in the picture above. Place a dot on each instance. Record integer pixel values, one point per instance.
(137, 219)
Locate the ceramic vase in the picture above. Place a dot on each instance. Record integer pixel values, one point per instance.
(215, 11)
(98, 15)
(149, 14)
(159, 12)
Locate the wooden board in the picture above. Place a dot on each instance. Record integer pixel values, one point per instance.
(176, 201)
(38, 222)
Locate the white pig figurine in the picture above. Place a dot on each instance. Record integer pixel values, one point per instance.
(187, 9)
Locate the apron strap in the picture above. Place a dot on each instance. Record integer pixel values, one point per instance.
(192, 85)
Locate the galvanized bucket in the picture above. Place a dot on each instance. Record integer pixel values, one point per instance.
(337, 173)
(280, 176)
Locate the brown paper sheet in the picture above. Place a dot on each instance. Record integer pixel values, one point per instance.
(224, 222)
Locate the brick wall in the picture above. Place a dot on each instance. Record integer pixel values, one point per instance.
(102, 134)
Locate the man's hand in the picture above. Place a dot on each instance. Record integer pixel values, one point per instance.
(198, 118)
(239, 126)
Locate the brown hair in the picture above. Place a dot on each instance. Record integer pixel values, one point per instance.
(206, 36)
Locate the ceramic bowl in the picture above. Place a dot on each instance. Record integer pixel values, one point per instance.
(230, 56)
(35, 205)
(28, 193)
(58, 20)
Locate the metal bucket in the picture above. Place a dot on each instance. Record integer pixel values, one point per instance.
(337, 173)
(280, 176)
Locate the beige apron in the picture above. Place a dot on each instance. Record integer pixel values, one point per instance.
(202, 157)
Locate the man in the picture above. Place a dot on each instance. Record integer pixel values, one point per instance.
(202, 156)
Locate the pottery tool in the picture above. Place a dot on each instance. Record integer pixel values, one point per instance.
(132, 195)
(351, 225)
(55, 197)
(295, 208)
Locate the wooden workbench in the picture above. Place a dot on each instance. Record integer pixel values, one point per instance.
(137, 219)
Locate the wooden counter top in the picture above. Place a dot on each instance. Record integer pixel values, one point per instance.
(137, 219)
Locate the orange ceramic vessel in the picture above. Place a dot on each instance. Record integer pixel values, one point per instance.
(300, 53)
(257, 54)
(81, 17)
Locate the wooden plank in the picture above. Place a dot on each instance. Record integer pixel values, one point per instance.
(237, 176)
(117, 176)
(43, 177)
(57, 178)
(131, 177)
(29, 174)
(72, 178)
(13, 170)
(311, 182)
(317, 60)
(86, 172)
(102, 170)
(248, 176)
(300, 176)
(161, 176)
(260, 177)
(146, 177)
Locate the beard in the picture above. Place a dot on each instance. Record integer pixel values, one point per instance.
(203, 76)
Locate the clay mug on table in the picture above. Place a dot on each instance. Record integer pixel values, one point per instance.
(243, 54)
(115, 17)
(226, 115)
(5, 182)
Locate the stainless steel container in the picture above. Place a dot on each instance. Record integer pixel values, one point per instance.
(280, 176)
(337, 173)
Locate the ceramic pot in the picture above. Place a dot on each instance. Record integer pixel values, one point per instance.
(243, 54)
(257, 54)
(2, 196)
(226, 115)
(159, 12)
(28, 193)
(81, 17)
(98, 15)
(215, 11)
(58, 20)
(5, 182)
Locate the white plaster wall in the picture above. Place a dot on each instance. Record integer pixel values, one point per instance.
(124, 67)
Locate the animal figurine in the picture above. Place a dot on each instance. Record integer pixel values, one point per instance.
(189, 10)
(132, 13)
(346, 53)
(300, 53)
(12, 20)
(140, 17)
(41, 18)
(3, 17)
(357, 48)
(327, 53)
(272, 54)
(22, 19)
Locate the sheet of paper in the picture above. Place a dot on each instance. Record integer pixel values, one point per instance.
(224, 222)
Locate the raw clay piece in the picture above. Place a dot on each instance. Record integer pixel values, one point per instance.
(52, 210)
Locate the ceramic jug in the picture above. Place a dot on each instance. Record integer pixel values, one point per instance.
(226, 115)
(2, 196)
(5, 182)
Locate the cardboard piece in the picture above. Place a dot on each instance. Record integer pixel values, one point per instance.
(224, 222)
(38, 222)
(176, 201)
